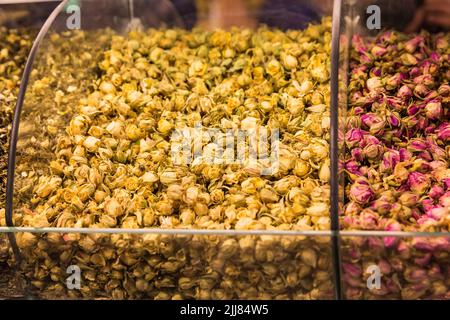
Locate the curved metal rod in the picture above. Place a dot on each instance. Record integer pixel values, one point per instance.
(16, 121)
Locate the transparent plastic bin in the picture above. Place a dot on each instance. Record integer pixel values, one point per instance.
(412, 264)
(175, 264)
(141, 263)
(395, 266)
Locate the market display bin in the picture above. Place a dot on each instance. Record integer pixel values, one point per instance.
(155, 264)
(19, 25)
(96, 61)
(393, 266)
(393, 169)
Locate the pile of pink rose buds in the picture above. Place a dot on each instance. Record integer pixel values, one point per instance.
(397, 150)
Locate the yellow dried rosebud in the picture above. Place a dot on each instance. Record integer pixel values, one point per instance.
(309, 257)
(324, 172)
(290, 62)
(301, 168)
(273, 67)
(148, 217)
(107, 87)
(113, 208)
(268, 195)
(318, 209)
(187, 216)
(168, 177)
(191, 195)
(164, 208)
(175, 192)
(91, 144)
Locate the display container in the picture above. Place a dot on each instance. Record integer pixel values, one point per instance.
(391, 202)
(140, 255)
(392, 247)
(19, 25)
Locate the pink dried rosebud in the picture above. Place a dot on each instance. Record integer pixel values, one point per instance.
(395, 103)
(352, 209)
(435, 56)
(422, 123)
(404, 92)
(368, 220)
(384, 266)
(358, 110)
(442, 244)
(426, 79)
(374, 83)
(422, 244)
(381, 206)
(375, 72)
(351, 281)
(446, 183)
(394, 81)
(408, 199)
(353, 136)
(437, 152)
(370, 119)
(351, 269)
(378, 51)
(441, 42)
(414, 275)
(428, 204)
(361, 192)
(388, 37)
(433, 110)
(434, 272)
(417, 145)
(414, 292)
(373, 151)
(390, 159)
(408, 59)
(392, 285)
(418, 182)
(421, 90)
(375, 244)
(358, 44)
(405, 155)
(444, 200)
(412, 44)
(414, 72)
(436, 192)
(353, 293)
(430, 129)
(444, 90)
(390, 242)
(404, 252)
(415, 214)
(443, 131)
(429, 67)
(357, 154)
(424, 260)
(353, 167)
(369, 139)
(413, 109)
(431, 95)
(394, 119)
(437, 213)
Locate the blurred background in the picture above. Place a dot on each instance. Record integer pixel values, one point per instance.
(407, 15)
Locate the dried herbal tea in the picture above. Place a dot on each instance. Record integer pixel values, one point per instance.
(14, 47)
(398, 134)
(397, 166)
(103, 158)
